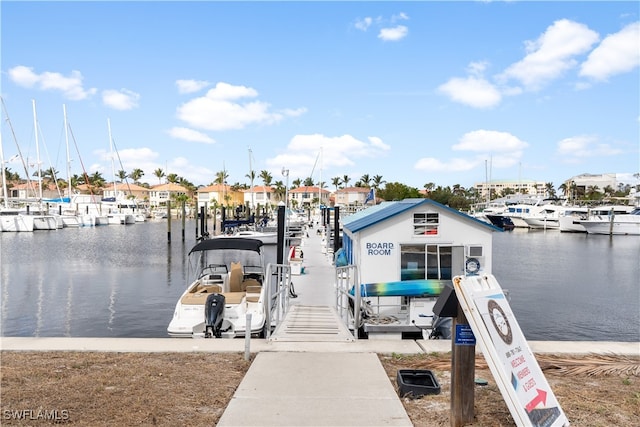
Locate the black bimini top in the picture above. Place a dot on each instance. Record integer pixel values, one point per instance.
(221, 243)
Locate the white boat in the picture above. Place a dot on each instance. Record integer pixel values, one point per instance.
(547, 218)
(13, 220)
(44, 222)
(612, 224)
(70, 220)
(93, 220)
(516, 210)
(267, 238)
(228, 285)
(117, 218)
(569, 220)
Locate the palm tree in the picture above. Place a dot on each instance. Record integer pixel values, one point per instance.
(608, 191)
(564, 188)
(280, 190)
(378, 181)
(11, 176)
(50, 174)
(551, 192)
(365, 180)
(136, 174)
(296, 183)
(592, 191)
(266, 178)
(173, 178)
(221, 177)
(345, 180)
(159, 173)
(121, 175)
(97, 180)
(252, 177)
(308, 182)
(336, 181)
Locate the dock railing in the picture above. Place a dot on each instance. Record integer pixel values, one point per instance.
(277, 295)
(348, 303)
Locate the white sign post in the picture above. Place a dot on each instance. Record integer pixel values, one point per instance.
(512, 363)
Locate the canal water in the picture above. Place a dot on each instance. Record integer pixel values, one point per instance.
(124, 281)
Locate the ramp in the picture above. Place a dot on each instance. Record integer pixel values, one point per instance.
(308, 323)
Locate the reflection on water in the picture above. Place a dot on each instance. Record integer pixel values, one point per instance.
(123, 281)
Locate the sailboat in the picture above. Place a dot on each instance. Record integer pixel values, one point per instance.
(115, 204)
(41, 219)
(11, 219)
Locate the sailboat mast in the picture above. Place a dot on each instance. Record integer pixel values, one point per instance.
(66, 137)
(113, 169)
(320, 184)
(4, 176)
(35, 126)
(251, 178)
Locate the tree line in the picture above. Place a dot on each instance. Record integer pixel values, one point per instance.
(456, 196)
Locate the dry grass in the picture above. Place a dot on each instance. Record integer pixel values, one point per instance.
(193, 389)
(593, 390)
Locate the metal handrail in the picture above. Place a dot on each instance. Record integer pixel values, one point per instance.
(277, 295)
(346, 279)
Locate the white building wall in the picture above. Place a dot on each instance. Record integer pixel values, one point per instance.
(380, 261)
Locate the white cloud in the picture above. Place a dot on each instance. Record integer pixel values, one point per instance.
(387, 30)
(504, 150)
(393, 34)
(340, 152)
(190, 135)
(221, 109)
(618, 53)
(190, 86)
(431, 164)
(578, 148)
(122, 99)
(489, 141)
(363, 24)
(70, 87)
(399, 17)
(472, 91)
(551, 54)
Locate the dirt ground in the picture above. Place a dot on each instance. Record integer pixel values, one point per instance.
(193, 389)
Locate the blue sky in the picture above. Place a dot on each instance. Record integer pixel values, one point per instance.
(416, 92)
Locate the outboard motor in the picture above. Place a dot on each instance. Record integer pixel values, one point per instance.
(441, 328)
(213, 315)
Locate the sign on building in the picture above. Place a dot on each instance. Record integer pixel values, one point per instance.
(512, 363)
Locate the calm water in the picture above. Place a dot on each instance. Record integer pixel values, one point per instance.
(123, 281)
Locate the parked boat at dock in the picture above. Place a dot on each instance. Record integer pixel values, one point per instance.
(228, 285)
(612, 224)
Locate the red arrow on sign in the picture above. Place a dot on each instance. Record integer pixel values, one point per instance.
(541, 397)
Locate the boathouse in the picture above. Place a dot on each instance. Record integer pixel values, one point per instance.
(406, 251)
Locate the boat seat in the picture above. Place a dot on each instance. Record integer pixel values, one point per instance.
(235, 277)
(254, 289)
(207, 288)
(246, 283)
(233, 297)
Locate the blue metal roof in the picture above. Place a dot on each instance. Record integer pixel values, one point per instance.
(375, 214)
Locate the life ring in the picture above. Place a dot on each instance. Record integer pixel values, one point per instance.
(472, 266)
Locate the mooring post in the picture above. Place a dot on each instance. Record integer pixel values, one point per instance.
(463, 370)
(184, 214)
(168, 221)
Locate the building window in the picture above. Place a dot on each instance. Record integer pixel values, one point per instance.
(412, 262)
(439, 261)
(419, 262)
(425, 224)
